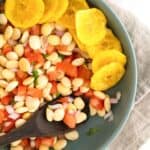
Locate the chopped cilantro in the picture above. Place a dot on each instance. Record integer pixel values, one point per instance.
(58, 95)
(45, 56)
(35, 74)
(92, 131)
(61, 56)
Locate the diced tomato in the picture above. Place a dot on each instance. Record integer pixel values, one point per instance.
(78, 93)
(8, 126)
(70, 120)
(2, 115)
(15, 91)
(68, 59)
(27, 50)
(54, 88)
(37, 143)
(34, 92)
(47, 141)
(35, 30)
(6, 48)
(50, 49)
(84, 72)
(63, 100)
(22, 90)
(25, 142)
(97, 103)
(68, 68)
(89, 94)
(21, 75)
(61, 47)
(6, 100)
(53, 75)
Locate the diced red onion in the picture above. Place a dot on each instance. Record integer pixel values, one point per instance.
(59, 33)
(113, 100)
(14, 116)
(9, 109)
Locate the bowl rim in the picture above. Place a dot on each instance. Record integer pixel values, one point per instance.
(130, 108)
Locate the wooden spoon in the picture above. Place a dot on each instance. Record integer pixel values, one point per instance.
(38, 126)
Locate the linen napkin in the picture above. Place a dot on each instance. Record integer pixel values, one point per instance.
(137, 129)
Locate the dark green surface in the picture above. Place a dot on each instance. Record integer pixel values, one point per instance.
(109, 130)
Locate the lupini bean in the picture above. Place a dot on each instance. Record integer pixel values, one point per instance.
(107, 104)
(49, 114)
(80, 117)
(66, 82)
(2, 41)
(24, 37)
(3, 19)
(19, 49)
(12, 64)
(28, 81)
(54, 40)
(12, 56)
(47, 29)
(43, 147)
(16, 34)
(24, 65)
(78, 61)
(63, 90)
(8, 74)
(19, 147)
(8, 32)
(59, 114)
(60, 144)
(16, 143)
(19, 123)
(101, 113)
(11, 86)
(79, 103)
(35, 42)
(73, 135)
(42, 81)
(66, 39)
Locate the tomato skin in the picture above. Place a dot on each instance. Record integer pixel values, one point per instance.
(6, 100)
(97, 103)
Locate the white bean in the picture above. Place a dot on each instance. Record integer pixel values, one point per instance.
(12, 64)
(16, 143)
(16, 34)
(60, 144)
(19, 49)
(77, 82)
(8, 32)
(84, 89)
(21, 110)
(47, 65)
(79, 103)
(100, 95)
(35, 42)
(42, 81)
(19, 147)
(72, 136)
(53, 57)
(19, 98)
(11, 86)
(24, 65)
(92, 111)
(24, 37)
(32, 103)
(78, 61)
(28, 81)
(63, 90)
(12, 56)
(65, 53)
(49, 114)
(3, 83)
(3, 19)
(18, 104)
(19, 123)
(47, 29)
(80, 117)
(101, 113)
(2, 93)
(66, 82)
(66, 39)
(59, 114)
(2, 41)
(54, 40)
(43, 147)
(47, 89)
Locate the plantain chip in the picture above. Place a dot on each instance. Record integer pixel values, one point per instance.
(107, 76)
(24, 13)
(68, 19)
(106, 57)
(90, 26)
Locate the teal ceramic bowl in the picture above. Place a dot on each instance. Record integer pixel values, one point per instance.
(109, 130)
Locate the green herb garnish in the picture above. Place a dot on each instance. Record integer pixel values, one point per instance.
(92, 131)
(45, 56)
(61, 56)
(35, 74)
